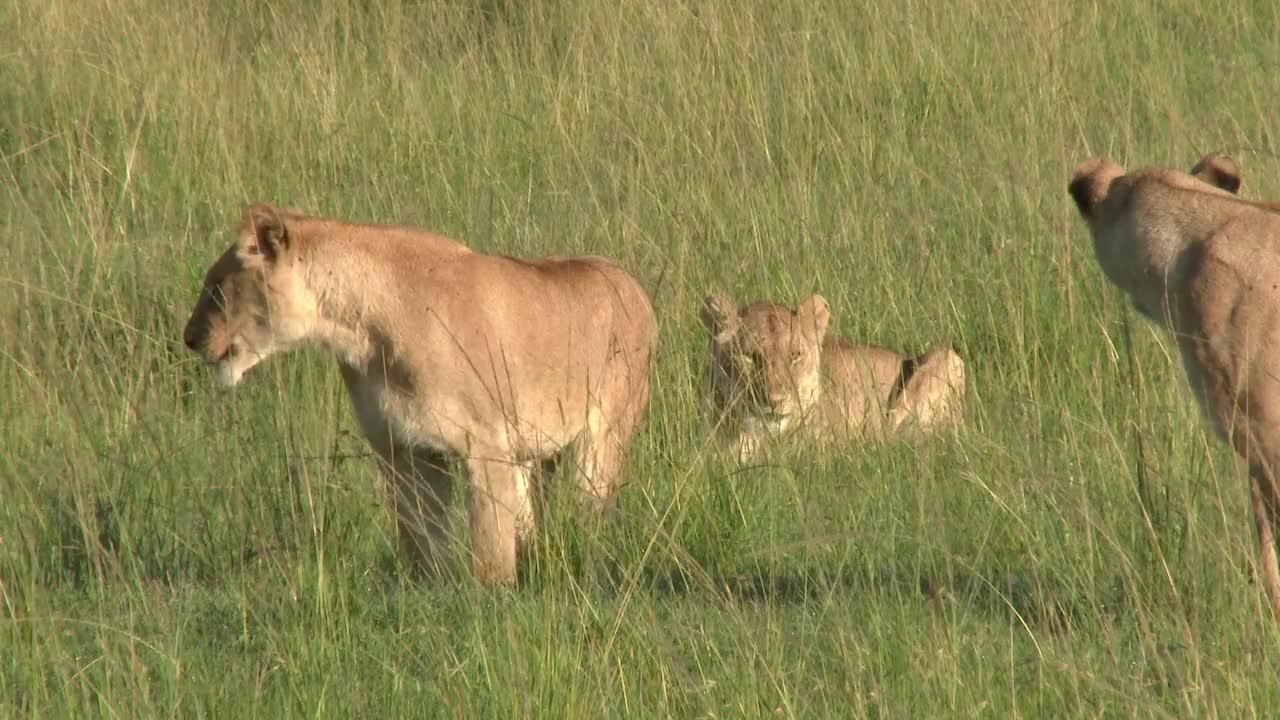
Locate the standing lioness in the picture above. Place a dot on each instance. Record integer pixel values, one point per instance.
(774, 371)
(1205, 265)
(447, 354)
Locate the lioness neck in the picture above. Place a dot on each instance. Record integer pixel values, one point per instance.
(356, 275)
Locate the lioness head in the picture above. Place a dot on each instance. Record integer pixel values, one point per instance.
(251, 304)
(1092, 180)
(767, 356)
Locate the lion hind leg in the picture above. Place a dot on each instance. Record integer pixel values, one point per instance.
(498, 499)
(1266, 510)
(932, 394)
(601, 448)
(611, 422)
(528, 478)
(599, 456)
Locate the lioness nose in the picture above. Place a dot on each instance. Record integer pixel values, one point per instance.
(189, 337)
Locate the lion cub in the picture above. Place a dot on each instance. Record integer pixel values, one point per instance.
(1205, 265)
(448, 355)
(775, 371)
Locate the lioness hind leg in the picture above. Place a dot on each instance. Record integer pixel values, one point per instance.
(421, 487)
(598, 456)
(932, 395)
(611, 422)
(498, 499)
(600, 452)
(529, 477)
(1266, 506)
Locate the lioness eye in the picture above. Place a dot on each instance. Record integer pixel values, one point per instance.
(215, 294)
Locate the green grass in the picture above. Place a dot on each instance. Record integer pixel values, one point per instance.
(1080, 547)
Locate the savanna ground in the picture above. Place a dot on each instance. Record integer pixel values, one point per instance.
(1080, 547)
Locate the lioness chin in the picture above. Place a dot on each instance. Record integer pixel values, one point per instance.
(1205, 265)
(446, 353)
(774, 371)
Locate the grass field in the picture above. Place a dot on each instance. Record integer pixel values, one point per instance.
(1080, 547)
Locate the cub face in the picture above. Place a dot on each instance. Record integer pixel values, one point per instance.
(250, 304)
(766, 358)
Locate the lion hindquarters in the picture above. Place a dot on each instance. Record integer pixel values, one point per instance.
(931, 393)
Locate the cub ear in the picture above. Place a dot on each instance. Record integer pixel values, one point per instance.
(815, 313)
(1219, 171)
(263, 232)
(1091, 182)
(720, 316)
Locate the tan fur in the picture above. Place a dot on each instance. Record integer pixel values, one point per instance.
(447, 354)
(1222, 172)
(775, 371)
(1205, 265)
(1218, 170)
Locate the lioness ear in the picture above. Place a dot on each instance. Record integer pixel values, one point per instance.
(720, 316)
(1219, 171)
(1091, 182)
(263, 232)
(815, 313)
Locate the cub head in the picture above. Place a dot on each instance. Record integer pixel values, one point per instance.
(765, 356)
(1219, 171)
(252, 302)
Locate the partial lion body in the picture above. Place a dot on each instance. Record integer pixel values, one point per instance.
(774, 371)
(449, 354)
(1205, 265)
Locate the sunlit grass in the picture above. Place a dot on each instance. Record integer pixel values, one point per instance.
(1079, 547)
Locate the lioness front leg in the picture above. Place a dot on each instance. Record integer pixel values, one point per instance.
(421, 488)
(499, 503)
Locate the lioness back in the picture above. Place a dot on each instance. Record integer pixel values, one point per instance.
(861, 381)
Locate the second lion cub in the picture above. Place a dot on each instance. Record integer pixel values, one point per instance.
(775, 371)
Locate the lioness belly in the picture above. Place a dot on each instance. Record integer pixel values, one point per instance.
(449, 425)
(388, 419)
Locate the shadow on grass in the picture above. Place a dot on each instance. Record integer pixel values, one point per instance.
(87, 543)
(1024, 598)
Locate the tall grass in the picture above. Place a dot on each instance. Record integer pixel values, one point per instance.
(1079, 547)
